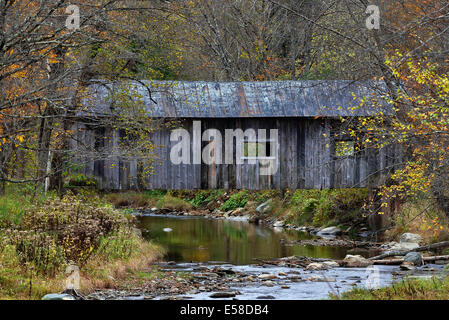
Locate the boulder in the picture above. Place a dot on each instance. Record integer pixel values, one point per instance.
(266, 276)
(251, 204)
(316, 266)
(407, 266)
(278, 224)
(265, 207)
(211, 205)
(238, 212)
(227, 213)
(268, 283)
(320, 279)
(356, 261)
(330, 231)
(410, 237)
(402, 246)
(331, 264)
(415, 258)
(222, 295)
(58, 296)
(254, 219)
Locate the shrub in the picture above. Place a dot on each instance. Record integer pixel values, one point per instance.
(324, 207)
(119, 245)
(237, 200)
(80, 180)
(63, 230)
(203, 197)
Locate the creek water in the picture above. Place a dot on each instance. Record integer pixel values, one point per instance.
(198, 239)
(193, 242)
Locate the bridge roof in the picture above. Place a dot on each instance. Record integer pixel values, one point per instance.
(198, 99)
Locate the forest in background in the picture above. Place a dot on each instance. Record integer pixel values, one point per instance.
(50, 55)
(47, 66)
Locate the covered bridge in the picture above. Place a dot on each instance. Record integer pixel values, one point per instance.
(299, 118)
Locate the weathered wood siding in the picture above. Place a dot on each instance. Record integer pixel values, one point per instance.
(306, 160)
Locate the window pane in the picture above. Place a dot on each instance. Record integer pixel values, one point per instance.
(254, 149)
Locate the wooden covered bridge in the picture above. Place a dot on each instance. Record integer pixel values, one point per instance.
(303, 114)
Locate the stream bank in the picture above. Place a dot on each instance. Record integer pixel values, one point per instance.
(227, 259)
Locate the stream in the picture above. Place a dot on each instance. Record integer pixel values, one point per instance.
(196, 244)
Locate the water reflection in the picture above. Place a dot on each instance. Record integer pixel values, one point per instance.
(197, 239)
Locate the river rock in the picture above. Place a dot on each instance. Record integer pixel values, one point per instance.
(408, 241)
(238, 212)
(268, 283)
(356, 261)
(227, 213)
(331, 264)
(58, 296)
(402, 246)
(251, 204)
(330, 231)
(429, 269)
(415, 258)
(265, 207)
(316, 266)
(410, 237)
(211, 205)
(266, 276)
(317, 278)
(278, 224)
(408, 266)
(222, 295)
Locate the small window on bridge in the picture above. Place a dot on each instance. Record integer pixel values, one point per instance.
(256, 149)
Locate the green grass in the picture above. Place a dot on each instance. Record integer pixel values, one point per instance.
(173, 203)
(27, 215)
(412, 289)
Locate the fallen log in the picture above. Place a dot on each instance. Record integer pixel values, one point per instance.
(393, 253)
(400, 261)
(436, 258)
(389, 261)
